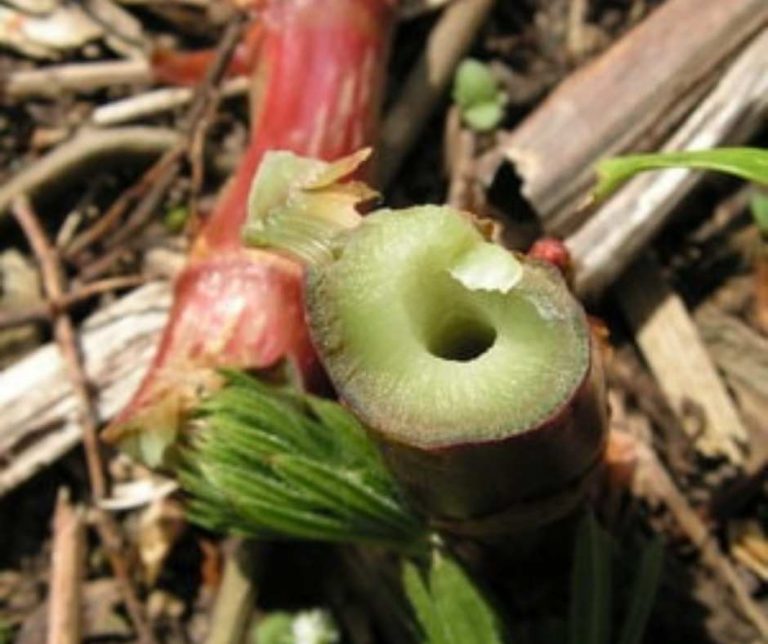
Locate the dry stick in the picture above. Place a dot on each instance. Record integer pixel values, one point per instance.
(64, 332)
(447, 43)
(48, 309)
(158, 101)
(53, 282)
(236, 596)
(37, 408)
(85, 148)
(623, 100)
(739, 351)
(653, 480)
(67, 559)
(460, 145)
(76, 77)
(617, 233)
(575, 36)
(671, 345)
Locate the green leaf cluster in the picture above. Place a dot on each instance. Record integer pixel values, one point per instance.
(449, 607)
(750, 164)
(271, 463)
(267, 462)
(478, 96)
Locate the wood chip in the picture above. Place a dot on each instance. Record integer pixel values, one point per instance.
(670, 343)
(38, 412)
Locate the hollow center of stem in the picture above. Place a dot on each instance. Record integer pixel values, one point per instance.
(462, 339)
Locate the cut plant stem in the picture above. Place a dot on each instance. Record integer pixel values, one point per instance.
(473, 367)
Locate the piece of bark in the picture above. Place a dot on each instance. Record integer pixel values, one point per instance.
(67, 566)
(740, 352)
(38, 411)
(675, 353)
(628, 98)
(730, 114)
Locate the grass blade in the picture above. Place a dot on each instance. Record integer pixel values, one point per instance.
(643, 593)
(750, 164)
(590, 606)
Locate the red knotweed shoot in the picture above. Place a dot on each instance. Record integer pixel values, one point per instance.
(316, 87)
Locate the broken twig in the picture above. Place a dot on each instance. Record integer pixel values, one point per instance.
(64, 332)
(67, 567)
(46, 310)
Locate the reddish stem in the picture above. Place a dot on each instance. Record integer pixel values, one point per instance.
(316, 90)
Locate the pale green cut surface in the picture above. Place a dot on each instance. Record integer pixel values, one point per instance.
(424, 358)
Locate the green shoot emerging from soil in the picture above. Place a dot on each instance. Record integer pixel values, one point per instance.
(477, 94)
(270, 463)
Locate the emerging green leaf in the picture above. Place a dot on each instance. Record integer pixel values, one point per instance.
(448, 605)
(476, 93)
(268, 462)
(298, 205)
(643, 593)
(750, 164)
(590, 606)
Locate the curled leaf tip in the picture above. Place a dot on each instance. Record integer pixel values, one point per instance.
(298, 205)
(487, 267)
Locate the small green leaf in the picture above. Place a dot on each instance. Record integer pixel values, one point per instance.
(643, 593)
(758, 205)
(306, 627)
(750, 164)
(484, 117)
(464, 611)
(175, 219)
(449, 607)
(276, 628)
(423, 605)
(298, 205)
(590, 605)
(477, 95)
(474, 84)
